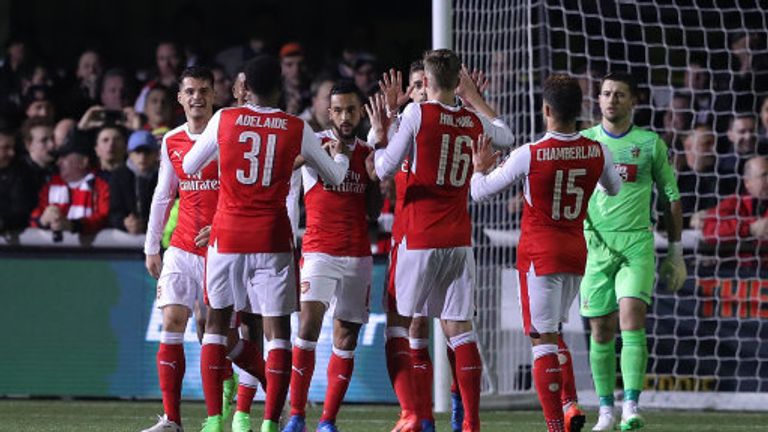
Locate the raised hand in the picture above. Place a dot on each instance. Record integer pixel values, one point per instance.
(391, 85)
(471, 86)
(481, 81)
(483, 156)
(377, 114)
(467, 88)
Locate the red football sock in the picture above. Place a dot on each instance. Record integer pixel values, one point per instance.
(170, 371)
(568, 392)
(548, 381)
(212, 369)
(301, 378)
(245, 395)
(452, 362)
(469, 372)
(250, 359)
(399, 368)
(278, 379)
(421, 382)
(339, 376)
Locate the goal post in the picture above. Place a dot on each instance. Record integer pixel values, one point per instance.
(708, 343)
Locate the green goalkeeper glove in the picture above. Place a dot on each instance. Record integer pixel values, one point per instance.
(673, 270)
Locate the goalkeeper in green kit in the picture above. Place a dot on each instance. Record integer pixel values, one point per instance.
(618, 280)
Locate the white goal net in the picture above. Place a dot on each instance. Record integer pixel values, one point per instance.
(702, 67)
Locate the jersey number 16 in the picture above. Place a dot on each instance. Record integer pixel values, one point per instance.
(460, 161)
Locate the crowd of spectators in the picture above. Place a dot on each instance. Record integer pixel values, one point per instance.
(79, 148)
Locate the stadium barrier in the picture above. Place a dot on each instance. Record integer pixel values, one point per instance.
(82, 323)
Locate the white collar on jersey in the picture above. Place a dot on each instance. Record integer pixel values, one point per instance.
(191, 135)
(261, 109)
(562, 136)
(448, 107)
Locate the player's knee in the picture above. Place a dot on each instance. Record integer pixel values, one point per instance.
(175, 318)
(345, 334)
(218, 321)
(419, 328)
(603, 328)
(396, 320)
(309, 331)
(345, 342)
(453, 328)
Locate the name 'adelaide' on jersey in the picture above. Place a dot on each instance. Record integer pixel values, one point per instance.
(336, 215)
(198, 193)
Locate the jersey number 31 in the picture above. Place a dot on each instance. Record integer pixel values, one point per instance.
(252, 176)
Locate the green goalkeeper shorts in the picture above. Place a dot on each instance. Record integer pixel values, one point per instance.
(618, 265)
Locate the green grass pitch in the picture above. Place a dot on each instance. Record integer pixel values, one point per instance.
(81, 416)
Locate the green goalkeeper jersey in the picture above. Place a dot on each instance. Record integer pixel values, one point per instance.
(640, 157)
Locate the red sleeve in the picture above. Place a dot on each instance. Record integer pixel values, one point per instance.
(725, 222)
(98, 219)
(42, 203)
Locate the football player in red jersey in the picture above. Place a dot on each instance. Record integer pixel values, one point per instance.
(560, 172)
(434, 276)
(250, 263)
(180, 277)
(405, 341)
(336, 264)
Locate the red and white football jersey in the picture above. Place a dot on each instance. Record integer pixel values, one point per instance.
(560, 172)
(198, 194)
(439, 139)
(401, 183)
(337, 221)
(256, 147)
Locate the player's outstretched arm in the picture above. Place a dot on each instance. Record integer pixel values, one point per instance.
(388, 160)
(332, 170)
(205, 148)
(511, 171)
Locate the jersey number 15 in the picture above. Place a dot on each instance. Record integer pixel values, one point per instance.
(569, 212)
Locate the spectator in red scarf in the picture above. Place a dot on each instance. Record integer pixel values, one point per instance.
(75, 199)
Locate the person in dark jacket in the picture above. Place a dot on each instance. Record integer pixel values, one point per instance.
(17, 191)
(132, 185)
